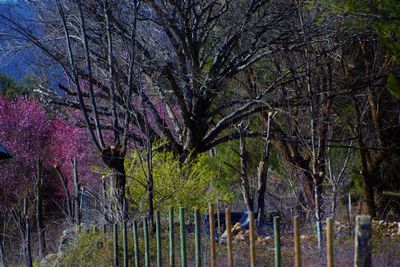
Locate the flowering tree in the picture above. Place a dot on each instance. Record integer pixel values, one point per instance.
(32, 134)
(25, 130)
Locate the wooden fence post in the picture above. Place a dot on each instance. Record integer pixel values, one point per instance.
(115, 229)
(182, 236)
(171, 238)
(197, 237)
(212, 234)
(329, 241)
(277, 241)
(158, 235)
(296, 238)
(146, 243)
(125, 243)
(252, 240)
(229, 237)
(135, 243)
(363, 250)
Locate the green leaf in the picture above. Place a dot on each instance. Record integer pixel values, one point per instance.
(393, 85)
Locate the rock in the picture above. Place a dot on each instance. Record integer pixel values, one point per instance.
(222, 238)
(240, 237)
(267, 239)
(260, 239)
(236, 228)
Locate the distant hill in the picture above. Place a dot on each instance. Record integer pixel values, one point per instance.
(19, 64)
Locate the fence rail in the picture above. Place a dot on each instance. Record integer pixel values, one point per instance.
(362, 247)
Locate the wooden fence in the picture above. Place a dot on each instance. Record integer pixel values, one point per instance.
(362, 248)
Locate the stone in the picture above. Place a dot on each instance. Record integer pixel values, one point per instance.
(236, 228)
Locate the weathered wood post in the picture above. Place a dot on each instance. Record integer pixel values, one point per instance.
(363, 250)
(135, 243)
(229, 237)
(125, 244)
(197, 237)
(277, 241)
(39, 208)
(171, 238)
(146, 243)
(115, 232)
(182, 236)
(329, 241)
(212, 235)
(252, 240)
(296, 238)
(158, 236)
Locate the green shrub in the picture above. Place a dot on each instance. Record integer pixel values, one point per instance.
(91, 249)
(188, 185)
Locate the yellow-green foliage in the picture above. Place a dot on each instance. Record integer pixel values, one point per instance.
(91, 249)
(176, 184)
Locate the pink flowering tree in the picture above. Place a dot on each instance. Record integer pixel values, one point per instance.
(26, 131)
(69, 141)
(31, 134)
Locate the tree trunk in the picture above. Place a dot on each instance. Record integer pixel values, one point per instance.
(39, 209)
(27, 244)
(248, 201)
(317, 179)
(262, 176)
(114, 158)
(368, 187)
(150, 208)
(77, 192)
